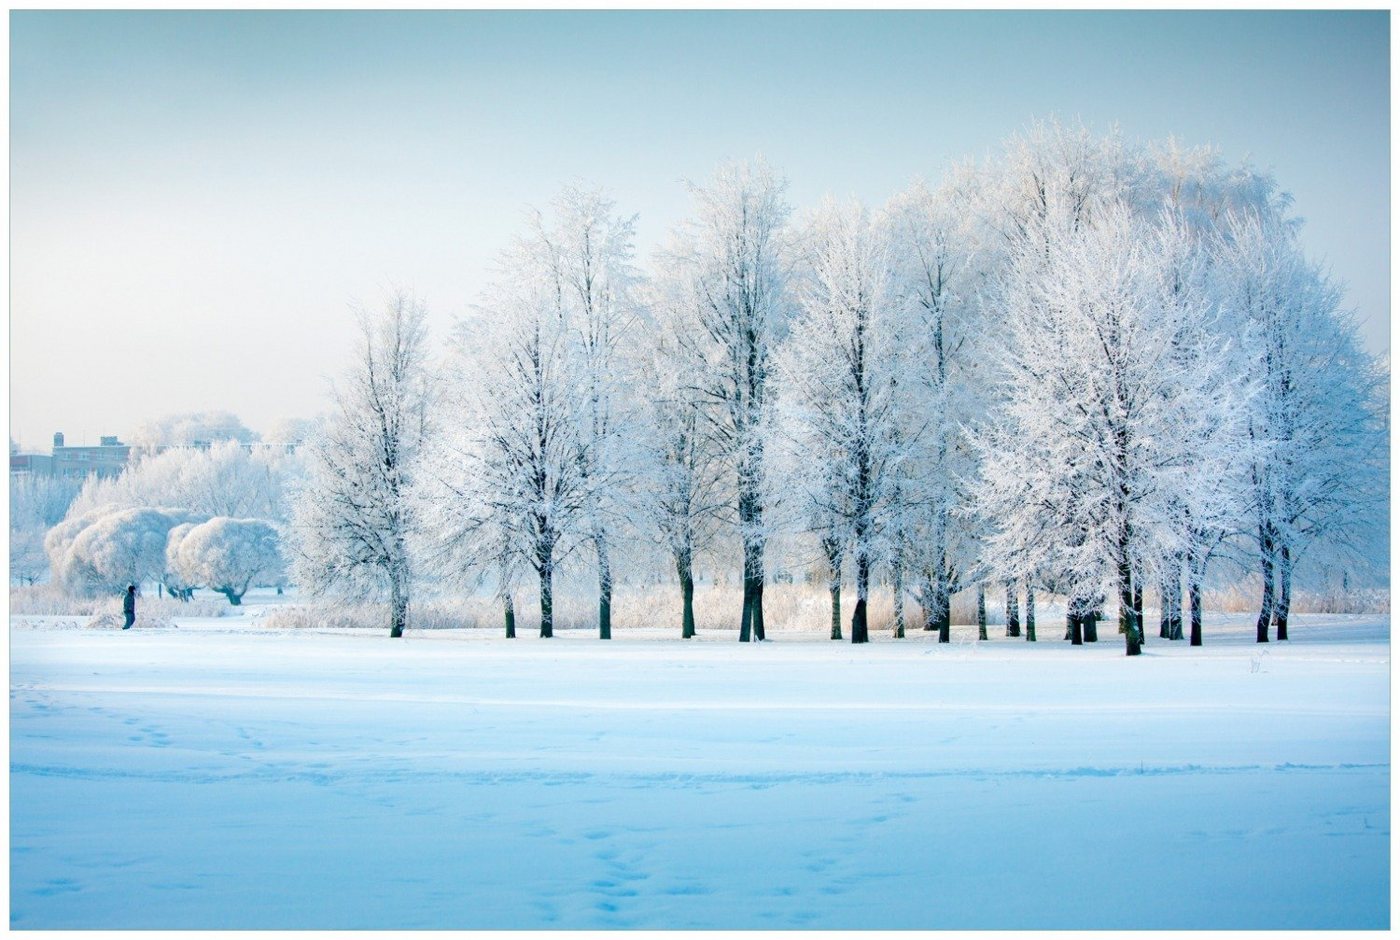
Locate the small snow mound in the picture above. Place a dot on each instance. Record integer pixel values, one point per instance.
(112, 621)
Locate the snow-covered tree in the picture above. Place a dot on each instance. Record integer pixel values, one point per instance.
(222, 479)
(940, 260)
(290, 432)
(681, 472)
(470, 531)
(512, 455)
(192, 428)
(583, 251)
(1092, 446)
(37, 503)
(731, 259)
(352, 518)
(846, 371)
(226, 555)
(1317, 422)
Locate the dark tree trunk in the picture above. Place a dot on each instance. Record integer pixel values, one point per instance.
(683, 571)
(832, 549)
(943, 598)
(1127, 612)
(758, 610)
(1266, 568)
(898, 574)
(981, 612)
(1030, 611)
(1013, 617)
(547, 602)
(1137, 608)
(509, 601)
(1091, 623)
(834, 587)
(235, 598)
(1174, 591)
(860, 632)
(752, 623)
(605, 587)
(746, 618)
(1164, 611)
(398, 607)
(750, 519)
(1196, 575)
(1285, 582)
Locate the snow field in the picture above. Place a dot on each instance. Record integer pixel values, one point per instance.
(219, 775)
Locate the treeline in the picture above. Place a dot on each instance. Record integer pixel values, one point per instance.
(1082, 367)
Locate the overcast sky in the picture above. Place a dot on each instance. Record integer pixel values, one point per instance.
(198, 198)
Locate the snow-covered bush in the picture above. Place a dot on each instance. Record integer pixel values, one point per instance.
(59, 539)
(124, 547)
(225, 555)
(175, 582)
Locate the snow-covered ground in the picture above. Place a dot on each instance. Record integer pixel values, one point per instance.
(217, 774)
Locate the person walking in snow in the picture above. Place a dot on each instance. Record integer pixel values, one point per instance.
(129, 606)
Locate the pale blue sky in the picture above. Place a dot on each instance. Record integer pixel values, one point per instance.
(196, 198)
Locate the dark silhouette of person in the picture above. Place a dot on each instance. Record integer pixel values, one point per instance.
(129, 606)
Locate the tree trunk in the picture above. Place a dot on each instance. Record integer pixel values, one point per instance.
(1137, 607)
(898, 575)
(1164, 631)
(832, 549)
(1127, 611)
(509, 601)
(398, 606)
(605, 586)
(1030, 611)
(981, 612)
(860, 632)
(746, 618)
(1266, 568)
(751, 624)
(1175, 587)
(944, 598)
(834, 587)
(235, 598)
(547, 602)
(1196, 574)
(687, 578)
(1013, 616)
(758, 609)
(1091, 624)
(1285, 580)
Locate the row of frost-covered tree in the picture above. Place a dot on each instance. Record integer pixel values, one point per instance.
(1082, 367)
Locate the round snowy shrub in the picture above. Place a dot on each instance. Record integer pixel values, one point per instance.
(227, 555)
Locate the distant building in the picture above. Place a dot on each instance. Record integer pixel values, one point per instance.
(107, 459)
